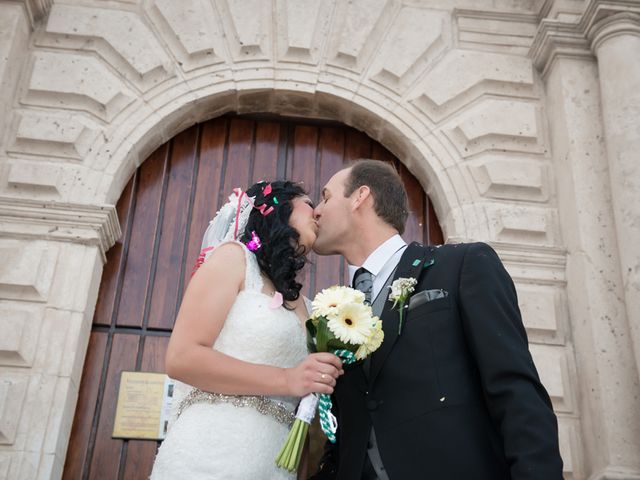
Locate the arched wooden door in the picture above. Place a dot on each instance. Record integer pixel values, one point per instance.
(163, 212)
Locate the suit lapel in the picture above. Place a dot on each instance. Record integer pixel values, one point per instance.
(411, 264)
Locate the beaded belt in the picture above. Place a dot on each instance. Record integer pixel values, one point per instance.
(263, 405)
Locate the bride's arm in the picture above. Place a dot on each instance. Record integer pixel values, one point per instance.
(205, 306)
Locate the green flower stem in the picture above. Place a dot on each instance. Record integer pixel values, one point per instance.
(291, 453)
(401, 311)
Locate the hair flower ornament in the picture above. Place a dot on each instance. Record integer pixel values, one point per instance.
(254, 244)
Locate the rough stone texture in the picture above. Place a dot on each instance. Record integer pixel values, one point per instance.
(601, 326)
(494, 105)
(614, 38)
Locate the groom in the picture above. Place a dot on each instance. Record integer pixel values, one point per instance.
(455, 393)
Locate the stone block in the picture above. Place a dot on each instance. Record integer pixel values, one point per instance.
(415, 38)
(13, 388)
(26, 269)
(570, 448)
(191, 30)
(511, 177)
(20, 324)
(464, 75)
(496, 124)
(247, 27)
(28, 467)
(14, 42)
(523, 224)
(542, 313)
(61, 418)
(356, 32)
(50, 467)
(75, 346)
(35, 178)
(5, 464)
(36, 411)
(78, 272)
(53, 341)
(53, 135)
(484, 30)
(77, 82)
(303, 26)
(555, 373)
(118, 36)
(538, 266)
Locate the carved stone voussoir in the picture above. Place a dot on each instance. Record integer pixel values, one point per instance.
(86, 224)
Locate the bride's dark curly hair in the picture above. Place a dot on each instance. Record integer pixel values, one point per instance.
(281, 256)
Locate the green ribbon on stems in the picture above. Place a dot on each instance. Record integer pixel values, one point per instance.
(328, 421)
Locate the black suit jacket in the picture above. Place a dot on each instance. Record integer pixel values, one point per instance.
(456, 395)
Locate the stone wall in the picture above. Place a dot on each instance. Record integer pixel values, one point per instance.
(519, 118)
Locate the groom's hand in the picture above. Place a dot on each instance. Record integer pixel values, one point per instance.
(315, 374)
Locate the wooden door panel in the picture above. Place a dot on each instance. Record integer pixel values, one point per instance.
(331, 154)
(166, 289)
(107, 451)
(208, 173)
(239, 154)
(112, 270)
(265, 164)
(87, 400)
(164, 211)
(357, 145)
(140, 256)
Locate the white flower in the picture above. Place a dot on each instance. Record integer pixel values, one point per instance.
(401, 289)
(351, 323)
(326, 303)
(374, 340)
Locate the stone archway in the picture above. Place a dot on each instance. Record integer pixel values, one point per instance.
(95, 88)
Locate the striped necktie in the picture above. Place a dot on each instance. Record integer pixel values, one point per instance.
(363, 281)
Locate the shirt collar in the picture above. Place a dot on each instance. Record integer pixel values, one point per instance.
(379, 257)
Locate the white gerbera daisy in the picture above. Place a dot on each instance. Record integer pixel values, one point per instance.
(351, 323)
(373, 342)
(326, 303)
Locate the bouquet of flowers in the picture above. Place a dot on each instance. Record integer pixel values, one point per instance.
(340, 323)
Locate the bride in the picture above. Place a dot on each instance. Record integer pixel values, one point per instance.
(238, 348)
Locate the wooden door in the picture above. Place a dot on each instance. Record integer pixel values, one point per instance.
(163, 212)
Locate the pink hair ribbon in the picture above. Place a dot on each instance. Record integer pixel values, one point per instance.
(238, 191)
(200, 260)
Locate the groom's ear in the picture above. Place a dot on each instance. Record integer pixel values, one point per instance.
(361, 196)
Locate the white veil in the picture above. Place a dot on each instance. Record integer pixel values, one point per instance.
(229, 222)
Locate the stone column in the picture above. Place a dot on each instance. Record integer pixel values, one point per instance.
(607, 380)
(616, 43)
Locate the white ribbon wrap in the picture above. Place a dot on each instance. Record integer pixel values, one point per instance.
(307, 408)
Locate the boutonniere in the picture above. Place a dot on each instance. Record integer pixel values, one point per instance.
(401, 290)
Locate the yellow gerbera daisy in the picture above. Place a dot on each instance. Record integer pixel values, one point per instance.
(328, 300)
(351, 323)
(373, 341)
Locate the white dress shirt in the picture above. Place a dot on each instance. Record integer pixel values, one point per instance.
(381, 262)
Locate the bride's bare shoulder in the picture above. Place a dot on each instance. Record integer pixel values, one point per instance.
(227, 259)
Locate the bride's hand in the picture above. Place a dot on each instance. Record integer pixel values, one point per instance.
(317, 373)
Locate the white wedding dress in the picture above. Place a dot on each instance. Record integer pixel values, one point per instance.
(222, 441)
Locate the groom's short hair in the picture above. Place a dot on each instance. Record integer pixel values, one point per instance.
(389, 196)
